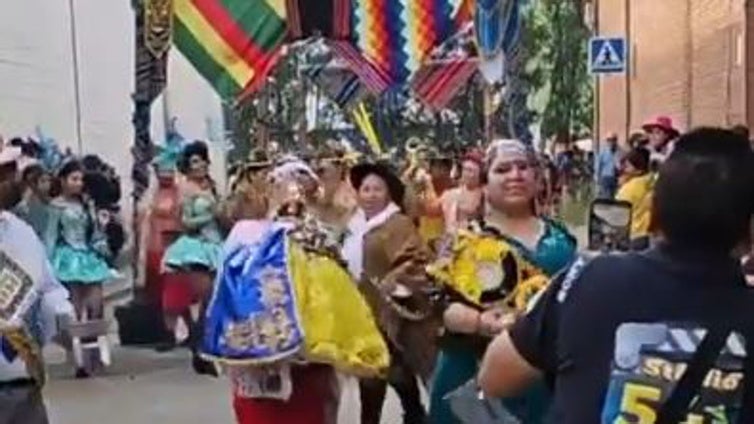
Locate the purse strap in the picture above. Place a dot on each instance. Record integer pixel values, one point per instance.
(675, 408)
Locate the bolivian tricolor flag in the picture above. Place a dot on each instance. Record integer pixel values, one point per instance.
(232, 43)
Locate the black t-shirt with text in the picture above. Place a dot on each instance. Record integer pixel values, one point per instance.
(617, 332)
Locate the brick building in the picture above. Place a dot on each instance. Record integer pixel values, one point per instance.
(690, 59)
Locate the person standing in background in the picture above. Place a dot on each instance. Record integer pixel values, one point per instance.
(35, 201)
(637, 190)
(661, 134)
(605, 168)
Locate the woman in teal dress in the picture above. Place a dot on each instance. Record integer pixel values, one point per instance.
(77, 246)
(510, 217)
(193, 258)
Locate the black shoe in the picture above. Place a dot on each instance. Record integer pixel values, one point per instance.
(165, 346)
(203, 367)
(415, 418)
(81, 374)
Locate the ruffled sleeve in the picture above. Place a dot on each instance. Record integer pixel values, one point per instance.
(192, 217)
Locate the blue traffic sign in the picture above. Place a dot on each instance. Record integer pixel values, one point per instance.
(607, 55)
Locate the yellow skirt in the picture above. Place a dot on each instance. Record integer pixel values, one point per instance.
(339, 327)
(431, 228)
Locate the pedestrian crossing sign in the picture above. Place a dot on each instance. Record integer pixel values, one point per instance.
(607, 55)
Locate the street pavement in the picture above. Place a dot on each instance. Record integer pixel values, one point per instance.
(145, 387)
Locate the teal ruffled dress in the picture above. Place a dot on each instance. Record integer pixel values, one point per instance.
(77, 249)
(199, 247)
(458, 362)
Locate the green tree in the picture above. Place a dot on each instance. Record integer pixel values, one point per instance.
(556, 40)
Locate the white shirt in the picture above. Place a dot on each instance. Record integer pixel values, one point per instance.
(19, 241)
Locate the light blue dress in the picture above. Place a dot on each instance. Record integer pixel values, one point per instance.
(200, 246)
(77, 249)
(458, 361)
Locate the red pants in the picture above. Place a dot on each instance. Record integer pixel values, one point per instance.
(314, 401)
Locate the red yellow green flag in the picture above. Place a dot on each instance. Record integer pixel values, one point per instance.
(233, 44)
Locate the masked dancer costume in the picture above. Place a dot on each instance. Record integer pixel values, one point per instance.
(285, 312)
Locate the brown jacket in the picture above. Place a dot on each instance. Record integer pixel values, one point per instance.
(395, 254)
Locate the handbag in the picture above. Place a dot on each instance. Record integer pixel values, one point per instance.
(470, 406)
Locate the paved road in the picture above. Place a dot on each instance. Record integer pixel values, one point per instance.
(145, 387)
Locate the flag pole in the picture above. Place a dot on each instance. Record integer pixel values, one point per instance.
(76, 75)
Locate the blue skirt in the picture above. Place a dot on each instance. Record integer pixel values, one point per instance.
(84, 266)
(192, 252)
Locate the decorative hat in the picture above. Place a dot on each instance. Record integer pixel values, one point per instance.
(169, 154)
(50, 156)
(291, 169)
(394, 184)
(664, 123)
(511, 147)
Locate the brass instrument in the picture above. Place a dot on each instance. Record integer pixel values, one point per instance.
(416, 174)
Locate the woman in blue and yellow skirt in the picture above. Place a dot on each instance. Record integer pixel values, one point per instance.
(191, 261)
(491, 269)
(285, 313)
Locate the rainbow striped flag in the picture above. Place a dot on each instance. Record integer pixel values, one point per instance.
(396, 36)
(233, 44)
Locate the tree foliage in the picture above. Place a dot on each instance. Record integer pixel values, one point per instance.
(556, 39)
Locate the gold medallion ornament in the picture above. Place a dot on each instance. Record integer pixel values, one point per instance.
(475, 265)
(158, 26)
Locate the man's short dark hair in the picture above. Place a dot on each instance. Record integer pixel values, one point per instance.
(638, 157)
(703, 198)
(741, 130)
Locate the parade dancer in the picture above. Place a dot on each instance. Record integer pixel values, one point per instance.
(491, 269)
(78, 247)
(32, 301)
(431, 185)
(37, 167)
(194, 256)
(164, 223)
(35, 203)
(285, 313)
(387, 256)
(464, 203)
(335, 201)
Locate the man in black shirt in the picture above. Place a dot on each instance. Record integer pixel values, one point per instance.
(615, 334)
